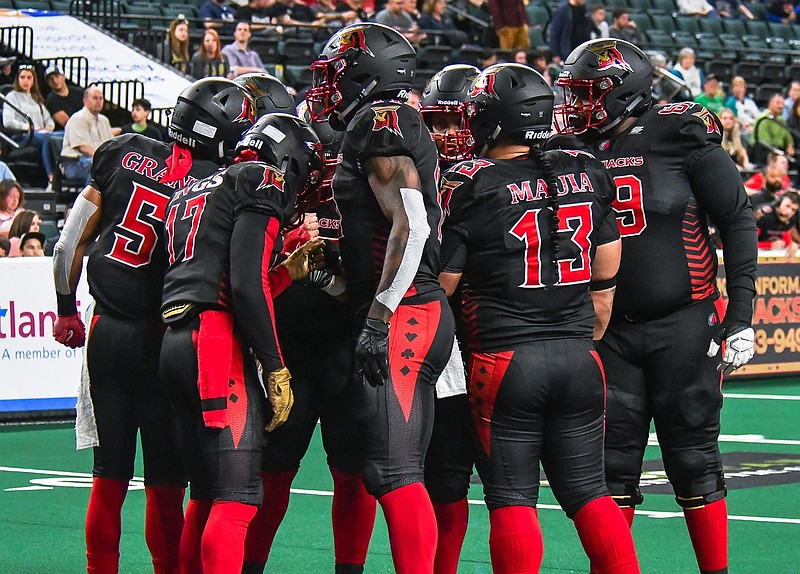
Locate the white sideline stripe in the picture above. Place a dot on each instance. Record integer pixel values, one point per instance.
(740, 438)
(648, 513)
(764, 397)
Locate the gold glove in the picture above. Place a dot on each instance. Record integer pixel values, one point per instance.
(305, 259)
(280, 396)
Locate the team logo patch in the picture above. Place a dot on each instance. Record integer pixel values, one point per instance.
(353, 39)
(485, 84)
(247, 114)
(604, 145)
(713, 319)
(708, 119)
(386, 119)
(271, 179)
(609, 57)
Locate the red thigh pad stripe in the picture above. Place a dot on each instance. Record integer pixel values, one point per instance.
(486, 371)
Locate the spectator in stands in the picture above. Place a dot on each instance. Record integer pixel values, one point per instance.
(792, 93)
(511, 23)
(356, 12)
(780, 11)
(140, 111)
(176, 46)
(540, 61)
(772, 188)
(63, 99)
(331, 14)
(5, 172)
(732, 140)
(570, 26)
(597, 12)
(733, 9)
(26, 96)
(745, 107)
(472, 14)
(434, 18)
(241, 58)
(83, 134)
(521, 57)
(209, 59)
(624, 28)
(297, 15)
(688, 72)
(395, 16)
(7, 74)
(32, 244)
(793, 123)
(777, 222)
(12, 200)
(779, 177)
(712, 97)
(770, 132)
(25, 221)
(699, 8)
(487, 58)
(262, 15)
(5, 246)
(215, 13)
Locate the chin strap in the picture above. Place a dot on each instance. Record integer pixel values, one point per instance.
(178, 164)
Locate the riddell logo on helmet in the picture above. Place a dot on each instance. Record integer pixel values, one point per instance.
(180, 138)
(609, 57)
(536, 135)
(353, 39)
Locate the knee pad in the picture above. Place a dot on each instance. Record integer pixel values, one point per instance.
(702, 491)
(447, 487)
(625, 495)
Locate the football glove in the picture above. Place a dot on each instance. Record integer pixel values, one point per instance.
(69, 331)
(739, 341)
(280, 395)
(372, 352)
(306, 258)
(332, 284)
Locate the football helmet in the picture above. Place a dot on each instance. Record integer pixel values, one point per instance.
(446, 93)
(288, 143)
(331, 141)
(268, 92)
(210, 117)
(360, 63)
(604, 81)
(509, 102)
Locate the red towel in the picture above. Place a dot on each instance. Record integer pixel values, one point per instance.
(214, 354)
(178, 164)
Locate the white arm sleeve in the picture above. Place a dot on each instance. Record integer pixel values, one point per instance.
(64, 251)
(418, 232)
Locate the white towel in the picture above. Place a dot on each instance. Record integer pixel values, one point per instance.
(453, 380)
(85, 424)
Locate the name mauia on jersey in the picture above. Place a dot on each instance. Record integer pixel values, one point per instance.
(569, 183)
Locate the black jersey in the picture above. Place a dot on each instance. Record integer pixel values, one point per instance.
(126, 265)
(672, 176)
(497, 233)
(200, 222)
(383, 129)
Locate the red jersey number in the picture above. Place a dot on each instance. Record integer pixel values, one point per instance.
(145, 207)
(193, 208)
(575, 219)
(629, 205)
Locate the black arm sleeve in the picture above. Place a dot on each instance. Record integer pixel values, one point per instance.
(254, 236)
(718, 187)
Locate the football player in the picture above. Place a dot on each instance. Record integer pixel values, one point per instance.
(660, 350)
(220, 349)
(531, 236)
(448, 463)
(386, 192)
(121, 213)
(268, 92)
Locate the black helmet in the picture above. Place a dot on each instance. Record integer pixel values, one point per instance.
(604, 82)
(210, 117)
(446, 93)
(288, 143)
(509, 102)
(331, 141)
(268, 92)
(360, 63)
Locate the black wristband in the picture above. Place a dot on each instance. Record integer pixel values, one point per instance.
(603, 284)
(66, 305)
(377, 325)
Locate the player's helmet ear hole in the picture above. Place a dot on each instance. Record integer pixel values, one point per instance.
(223, 100)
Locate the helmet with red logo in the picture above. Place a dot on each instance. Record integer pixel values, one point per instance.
(446, 93)
(604, 81)
(288, 143)
(360, 63)
(268, 92)
(509, 102)
(210, 117)
(331, 141)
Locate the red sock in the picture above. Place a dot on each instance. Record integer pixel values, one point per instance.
(353, 516)
(104, 525)
(270, 514)
(197, 512)
(223, 537)
(708, 529)
(606, 537)
(451, 523)
(163, 525)
(515, 540)
(628, 512)
(412, 528)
